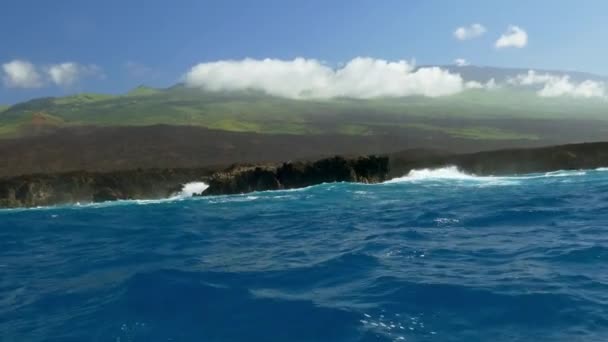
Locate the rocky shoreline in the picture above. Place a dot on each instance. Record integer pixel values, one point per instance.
(375, 169)
(511, 161)
(88, 187)
(243, 179)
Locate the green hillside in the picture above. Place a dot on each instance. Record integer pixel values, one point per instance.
(143, 91)
(473, 114)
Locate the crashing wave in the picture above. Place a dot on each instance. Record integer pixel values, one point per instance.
(453, 173)
(444, 173)
(192, 189)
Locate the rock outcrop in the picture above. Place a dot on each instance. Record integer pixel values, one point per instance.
(87, 187)
(243, 179)
(374, 169)
(508, 161)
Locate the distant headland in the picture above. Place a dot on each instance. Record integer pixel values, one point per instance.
(89, 187)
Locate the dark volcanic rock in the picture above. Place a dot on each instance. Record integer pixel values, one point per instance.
(509, 162)
(87, 187)
(374, 169)
(243, 179)
(49, 189)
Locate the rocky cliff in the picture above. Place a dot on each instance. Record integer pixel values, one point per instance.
(87, 187)
(373, 169)
(242, 179)
(508, 161)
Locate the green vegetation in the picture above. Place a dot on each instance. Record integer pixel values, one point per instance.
(3, 108)
(476, 133)
(10, 130)
(489, 133)
(352, 129)
(81, 99)
(143, 91)
(473, 114)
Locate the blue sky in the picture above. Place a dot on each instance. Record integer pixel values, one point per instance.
(120, 44)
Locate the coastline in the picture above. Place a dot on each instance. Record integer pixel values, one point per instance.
(95, 187)
(149, 184)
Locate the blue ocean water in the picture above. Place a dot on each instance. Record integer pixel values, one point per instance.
(434, 256)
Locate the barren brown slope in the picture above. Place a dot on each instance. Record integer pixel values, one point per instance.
(124, 148)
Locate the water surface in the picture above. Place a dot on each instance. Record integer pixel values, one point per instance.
(434, 256)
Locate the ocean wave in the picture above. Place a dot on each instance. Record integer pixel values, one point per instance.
(449, 172)
(189, 191)
(192, 189)
(453, 173)
(232, 198)
(584, 255)
(438, 175)
(418, 262)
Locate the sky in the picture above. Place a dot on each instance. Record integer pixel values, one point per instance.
(53, 48)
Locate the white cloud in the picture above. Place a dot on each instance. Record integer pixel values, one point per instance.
(469, 32)
(473, 85)
(21, 74)
(531, 78)
(309, 78)
(515, 37)
(461, 62)
(64, 74)
(491, 84)
(558, 85)
(69, 73)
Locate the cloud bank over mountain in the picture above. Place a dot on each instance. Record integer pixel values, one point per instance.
(309, 78)
(560, 85)
(365, 78)
(302, 78)
(556, 85)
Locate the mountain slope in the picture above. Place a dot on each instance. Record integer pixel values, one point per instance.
(475, 114)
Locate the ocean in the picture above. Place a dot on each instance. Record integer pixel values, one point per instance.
(436, 255)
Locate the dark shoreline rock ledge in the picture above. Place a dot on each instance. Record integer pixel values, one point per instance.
(90, 187)
(87, 187)
(243, 179)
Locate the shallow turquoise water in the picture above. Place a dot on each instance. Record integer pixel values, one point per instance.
(436, 256)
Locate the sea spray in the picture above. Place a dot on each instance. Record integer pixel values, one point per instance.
(192, 189)
(453, 173)
(449, 172)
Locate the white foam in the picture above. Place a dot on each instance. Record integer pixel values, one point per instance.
(444, 173)
(564, 174)
(449, 173)
(453, 173)
(192, 189)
